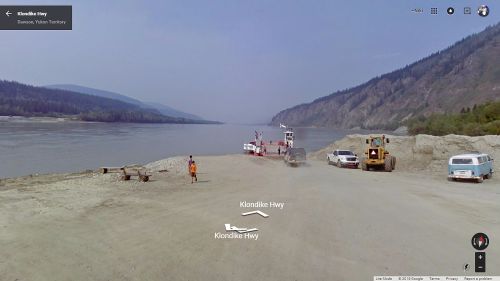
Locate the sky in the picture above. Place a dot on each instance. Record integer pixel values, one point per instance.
(236, 61)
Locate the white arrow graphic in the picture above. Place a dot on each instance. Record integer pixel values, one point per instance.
(255, 212)
(238, 229)
(8, 13)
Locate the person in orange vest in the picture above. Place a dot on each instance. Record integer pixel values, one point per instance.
(193, 169)
(189, 163)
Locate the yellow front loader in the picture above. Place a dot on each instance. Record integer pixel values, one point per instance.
(376, 155)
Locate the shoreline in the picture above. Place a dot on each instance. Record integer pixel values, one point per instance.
(355, 142)
(52, 178)
(35, 119)
(68, 119)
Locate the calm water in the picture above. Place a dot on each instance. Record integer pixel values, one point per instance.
(30, 147)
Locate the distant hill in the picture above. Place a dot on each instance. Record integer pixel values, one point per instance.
(167, 110)
(25, 100)
(163, 109)
(460, 76)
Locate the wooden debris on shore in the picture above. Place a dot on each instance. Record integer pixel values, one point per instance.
(106, 170)
(128, 172)
(140, 173)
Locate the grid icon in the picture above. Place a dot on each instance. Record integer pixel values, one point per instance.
(434, 11)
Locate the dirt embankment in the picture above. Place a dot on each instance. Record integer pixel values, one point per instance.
(421, 152)
(174, 165)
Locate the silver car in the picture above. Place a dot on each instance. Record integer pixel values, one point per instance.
(343, 158)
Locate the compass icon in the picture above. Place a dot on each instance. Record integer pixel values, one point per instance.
(480, 241)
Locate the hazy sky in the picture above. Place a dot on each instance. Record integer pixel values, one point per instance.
(234, 61)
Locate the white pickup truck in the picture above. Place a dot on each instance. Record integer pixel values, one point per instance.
(343, 158)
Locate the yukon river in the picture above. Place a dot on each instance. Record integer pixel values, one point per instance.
(28, 147)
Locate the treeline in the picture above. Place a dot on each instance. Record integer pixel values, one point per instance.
(135, 117)
(480, 120)
(18, 99)
(32, 107)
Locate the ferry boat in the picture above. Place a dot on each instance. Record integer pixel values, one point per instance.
(259, 147)
(289, 138)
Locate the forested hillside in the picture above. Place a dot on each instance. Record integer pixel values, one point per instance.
(476, 121)
(163, 109)
(24, 100)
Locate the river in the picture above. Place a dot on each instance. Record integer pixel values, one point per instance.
(47, 147)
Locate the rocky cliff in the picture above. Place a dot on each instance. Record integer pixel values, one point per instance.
(464, 74)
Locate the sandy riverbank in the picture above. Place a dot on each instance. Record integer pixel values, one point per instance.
(336, 224)
(422, 153)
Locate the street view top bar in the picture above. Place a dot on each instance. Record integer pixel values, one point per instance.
(36, 17)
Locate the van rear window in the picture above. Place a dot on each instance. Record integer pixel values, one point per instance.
(461, 161)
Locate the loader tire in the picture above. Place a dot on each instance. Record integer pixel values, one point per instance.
(388, 164)
(364, 167)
